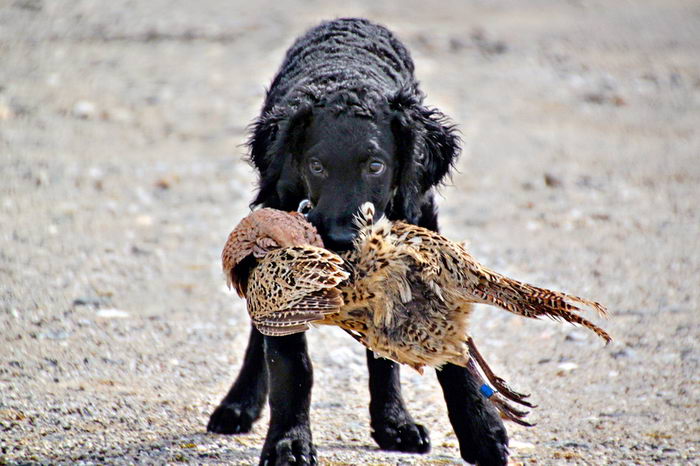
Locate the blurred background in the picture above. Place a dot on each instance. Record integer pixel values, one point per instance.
(122, 172)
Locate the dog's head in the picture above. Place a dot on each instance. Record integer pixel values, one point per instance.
(343, 151)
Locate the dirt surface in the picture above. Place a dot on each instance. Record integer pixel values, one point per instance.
(121, 175)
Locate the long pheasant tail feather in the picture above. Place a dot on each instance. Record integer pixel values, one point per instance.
(532, 301)
(599, 308)
(575, 319)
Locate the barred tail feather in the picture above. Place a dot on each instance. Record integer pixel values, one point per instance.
(534, 302)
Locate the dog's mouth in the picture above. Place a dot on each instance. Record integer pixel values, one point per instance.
(337, 238)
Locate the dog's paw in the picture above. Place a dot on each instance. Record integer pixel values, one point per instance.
(407, 437)
(490, 451)
(293, 447)
(232, 418)
(483, 439)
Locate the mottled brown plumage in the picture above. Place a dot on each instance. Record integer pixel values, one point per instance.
(404, 291)
(410, 294)
(294, 280)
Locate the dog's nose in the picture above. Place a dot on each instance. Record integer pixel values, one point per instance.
(339, 240)
(337, 231)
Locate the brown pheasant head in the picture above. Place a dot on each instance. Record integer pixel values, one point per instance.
(259, 233)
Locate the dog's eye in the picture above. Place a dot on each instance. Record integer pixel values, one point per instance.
(316, 167)
(376, 167)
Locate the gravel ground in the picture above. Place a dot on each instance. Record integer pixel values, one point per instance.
(121, 175)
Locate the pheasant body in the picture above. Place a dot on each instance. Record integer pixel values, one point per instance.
(404, 292)
(392, 309)
(411, 292)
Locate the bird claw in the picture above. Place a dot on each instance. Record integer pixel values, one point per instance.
(499, 383)
(510, 412)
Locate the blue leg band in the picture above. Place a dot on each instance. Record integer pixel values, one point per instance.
(487, 391)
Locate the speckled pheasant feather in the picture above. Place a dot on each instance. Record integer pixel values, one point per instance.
(411, 290)
(277, 262)
(407, 296)
(293, 287)
(460, 277)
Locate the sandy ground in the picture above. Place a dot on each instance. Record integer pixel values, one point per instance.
(121, 175)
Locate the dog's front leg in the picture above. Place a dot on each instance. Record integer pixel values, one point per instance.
(482, 437)
(393, 427)
(244, 401)
(290, 377)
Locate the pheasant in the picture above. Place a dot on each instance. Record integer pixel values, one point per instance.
(404, 292)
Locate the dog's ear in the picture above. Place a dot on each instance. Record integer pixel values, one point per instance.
(276, 142)
(428, 146)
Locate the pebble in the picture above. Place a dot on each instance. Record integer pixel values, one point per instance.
(84, 109)
(144, 220)
(576, 336)
(111, 313)
(519, 445)
(552, 181)
(54, 335)
(567, 366)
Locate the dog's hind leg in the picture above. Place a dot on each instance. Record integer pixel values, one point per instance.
(481, 434)
(244, 401)
(288, 438)
(393, 427)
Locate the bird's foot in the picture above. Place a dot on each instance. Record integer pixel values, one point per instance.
(291, 447)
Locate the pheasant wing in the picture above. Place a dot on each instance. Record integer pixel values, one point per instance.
(292, 287)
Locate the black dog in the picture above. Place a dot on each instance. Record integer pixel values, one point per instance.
(343, 123)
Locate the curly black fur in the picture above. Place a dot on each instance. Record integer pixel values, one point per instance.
(357, 77)
(353, 66)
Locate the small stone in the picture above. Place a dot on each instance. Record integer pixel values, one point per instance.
(552, 181)
(54, 335)
(84, 109)
(623, 353)
(576, 336)
(111, 313)
(518, 445)
(166, 182)
(144, 220)
(87, 301)
(567, 366)
(618, 101)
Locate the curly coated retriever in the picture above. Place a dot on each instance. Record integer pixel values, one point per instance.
(344, 123)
